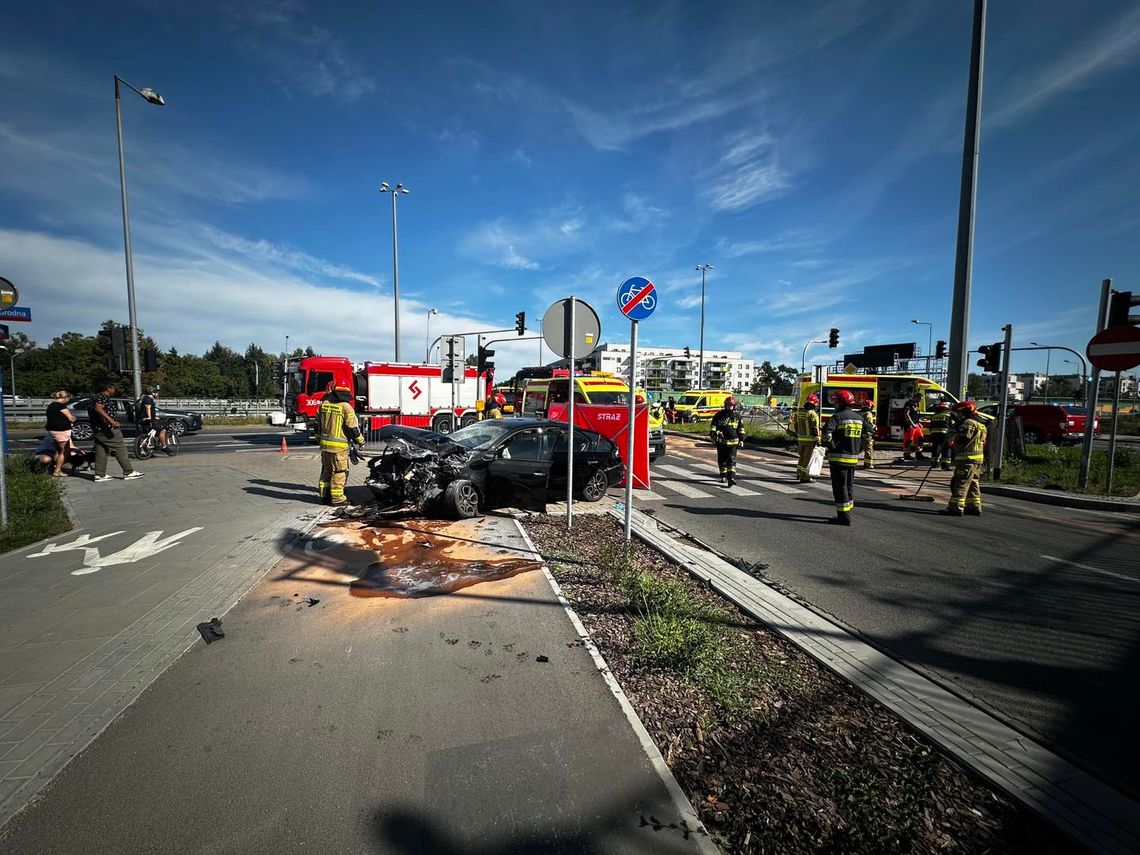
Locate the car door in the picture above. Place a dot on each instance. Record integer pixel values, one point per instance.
(584, 464)
(518, 473)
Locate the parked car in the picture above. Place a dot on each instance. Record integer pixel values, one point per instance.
(124, 410)
(1057, 423)
(514, 462)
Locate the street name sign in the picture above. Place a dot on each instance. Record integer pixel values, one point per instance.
(16, 313)
(1115, 349)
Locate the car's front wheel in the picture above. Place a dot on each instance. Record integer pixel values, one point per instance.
(596, 487)
(461, 500)
(441, 424)
(179, 426)
(82, 431)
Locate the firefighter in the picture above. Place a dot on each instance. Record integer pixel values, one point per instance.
(498, 401)
(807, 436)
(912, 429)
(843, 438)
(969, 442)
(867, 410)
(728, 434)
(336, 428)
(940, 435)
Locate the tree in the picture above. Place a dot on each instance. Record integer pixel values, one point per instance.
(775, 380)
(976, 387)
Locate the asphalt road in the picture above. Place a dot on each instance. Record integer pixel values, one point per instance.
(1032, 611)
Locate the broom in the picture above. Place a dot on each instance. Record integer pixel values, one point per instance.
(916, 497)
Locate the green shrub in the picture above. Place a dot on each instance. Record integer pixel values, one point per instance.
(35, 507)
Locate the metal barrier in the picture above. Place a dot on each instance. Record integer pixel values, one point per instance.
(33, 409)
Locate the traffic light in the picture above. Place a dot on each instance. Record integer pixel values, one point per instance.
(687, 355)
(1120, 308)
(940, 350)
(150, 359)
(483, 362)
(833, 338)
(278, 372)
(520, 322)
(115, 342)
(991, 357)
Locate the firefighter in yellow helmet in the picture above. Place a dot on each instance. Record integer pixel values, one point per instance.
(806, 425)
(969, 443)
(336, 428)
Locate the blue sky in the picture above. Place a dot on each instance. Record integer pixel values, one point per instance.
(811, 152)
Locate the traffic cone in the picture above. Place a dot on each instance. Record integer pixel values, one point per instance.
(284, 446)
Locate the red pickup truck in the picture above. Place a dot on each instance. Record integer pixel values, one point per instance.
(1056, 423)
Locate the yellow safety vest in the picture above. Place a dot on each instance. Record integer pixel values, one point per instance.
(333, 418)
(807, 426)
(971, 442)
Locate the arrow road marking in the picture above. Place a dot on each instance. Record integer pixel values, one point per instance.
(147, 545)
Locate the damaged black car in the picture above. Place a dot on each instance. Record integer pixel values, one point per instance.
(497, 463)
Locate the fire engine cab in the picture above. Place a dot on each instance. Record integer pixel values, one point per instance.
(409, 394)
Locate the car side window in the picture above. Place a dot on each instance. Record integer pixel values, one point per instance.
(529, 445)
(581, 443)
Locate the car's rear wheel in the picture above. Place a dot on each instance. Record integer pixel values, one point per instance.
(461, 500)
(441, 424)
(1032, 437)
(596, 487)
(82, 431)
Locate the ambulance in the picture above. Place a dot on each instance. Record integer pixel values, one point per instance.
(890, 392)
(701, 404)
(598, 387)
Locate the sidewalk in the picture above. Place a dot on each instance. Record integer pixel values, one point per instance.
(474, 721)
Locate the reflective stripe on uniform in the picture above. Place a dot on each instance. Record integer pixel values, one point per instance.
(844, 459)
(845, 507)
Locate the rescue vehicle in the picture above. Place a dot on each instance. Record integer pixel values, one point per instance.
(700, 404)
(597, 387)
(408, 394)
(890, 392)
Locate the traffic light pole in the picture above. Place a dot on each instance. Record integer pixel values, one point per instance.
(1091, 393)
(1003, 406)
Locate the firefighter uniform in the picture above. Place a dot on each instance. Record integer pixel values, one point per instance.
(336, 427)
(807, 437)
(843, 438)
(728, 433)
(868, 412)
(969, 453)
(940, 437)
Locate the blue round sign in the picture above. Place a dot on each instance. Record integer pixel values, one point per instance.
(637, 298)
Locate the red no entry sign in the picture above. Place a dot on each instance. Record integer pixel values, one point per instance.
(1115, 349)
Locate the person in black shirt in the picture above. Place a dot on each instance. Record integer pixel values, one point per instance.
(147, 417)
(108, 436)
(58, 426)
(728, 434)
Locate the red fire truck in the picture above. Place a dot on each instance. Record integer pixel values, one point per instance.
(409, 394)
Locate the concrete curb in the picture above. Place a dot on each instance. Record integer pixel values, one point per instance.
(1091, 812)
(1065, 500)
(684, 807)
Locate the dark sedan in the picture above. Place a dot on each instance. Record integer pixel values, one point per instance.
(124, 410)
(496, 463)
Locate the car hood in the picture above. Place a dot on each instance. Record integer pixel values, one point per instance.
(419, 438)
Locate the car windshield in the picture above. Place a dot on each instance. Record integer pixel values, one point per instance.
(480, 433)
(611, 398)
(1075, 411)
(690, 400)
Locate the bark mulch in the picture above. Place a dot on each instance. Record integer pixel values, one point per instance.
(775, 753)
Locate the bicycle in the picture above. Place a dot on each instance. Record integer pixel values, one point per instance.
(146, 443)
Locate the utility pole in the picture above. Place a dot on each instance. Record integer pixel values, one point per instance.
(964, 260)
(1092, 390)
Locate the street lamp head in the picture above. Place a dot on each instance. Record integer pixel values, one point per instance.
(435, 311)
(152, 97)
(400, 188)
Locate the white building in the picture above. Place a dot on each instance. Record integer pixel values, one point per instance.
(667, 369)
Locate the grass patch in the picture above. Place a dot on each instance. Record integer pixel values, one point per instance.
(1051, 466)
(232, 421)
(753, 434)
(35, 507)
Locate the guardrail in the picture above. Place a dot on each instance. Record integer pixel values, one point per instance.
(32, 409)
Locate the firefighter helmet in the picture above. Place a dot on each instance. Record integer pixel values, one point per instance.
(942, 405)
(843, 397)
(966, 407)
(730, 403)
(499, 399)
(868, 404)
(812, 400)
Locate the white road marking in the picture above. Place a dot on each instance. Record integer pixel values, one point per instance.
(1091, 569)
(737, 490)
(647, 496)
(684, 473)
(685, 490)
(146, 546)
(771, 485)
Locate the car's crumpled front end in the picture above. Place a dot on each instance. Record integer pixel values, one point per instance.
(412, 474)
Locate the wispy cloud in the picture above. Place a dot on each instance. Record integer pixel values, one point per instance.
(638, 214)
(520, 246)
(267, 253)
(615, 128)
(791, 240)
(303, 56)
(1116, 44)
(748, 173)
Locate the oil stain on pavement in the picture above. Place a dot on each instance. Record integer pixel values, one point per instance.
(422, 558)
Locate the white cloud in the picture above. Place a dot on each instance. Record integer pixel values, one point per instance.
(748, 173)
(792, 240)
(515, 247)
(265, 252)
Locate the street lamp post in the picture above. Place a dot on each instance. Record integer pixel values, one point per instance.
(803, 358)
(12, 352)
(929, 340)
(427, 335)
(704, 268)
(151, 97)
(1048, 356)
(285, 374)
(395, 191)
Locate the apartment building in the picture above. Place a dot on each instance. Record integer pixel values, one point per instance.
(667, 369)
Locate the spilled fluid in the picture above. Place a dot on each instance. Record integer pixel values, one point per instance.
(421, 561)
